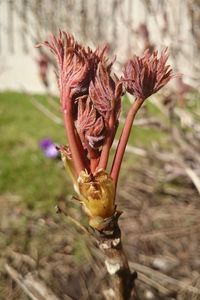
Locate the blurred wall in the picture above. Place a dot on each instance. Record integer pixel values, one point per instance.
(23, 23)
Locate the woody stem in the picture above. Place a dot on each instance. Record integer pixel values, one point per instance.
(117, 265)
(124, 139)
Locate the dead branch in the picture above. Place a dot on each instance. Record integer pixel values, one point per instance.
(166, 281)
(31, 286)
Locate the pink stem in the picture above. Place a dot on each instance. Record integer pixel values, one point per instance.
(124, 139)
(106, 147)
(75, 148)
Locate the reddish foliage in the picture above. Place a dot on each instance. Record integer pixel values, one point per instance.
(146, 75)
(91, 98)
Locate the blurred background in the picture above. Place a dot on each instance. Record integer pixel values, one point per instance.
(44, 255)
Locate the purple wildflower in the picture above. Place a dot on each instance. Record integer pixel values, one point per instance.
(49, 148)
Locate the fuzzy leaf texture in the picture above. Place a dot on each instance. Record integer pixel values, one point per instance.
(146, 75)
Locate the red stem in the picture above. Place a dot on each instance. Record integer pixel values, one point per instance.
(76, 151)
(124, 139)
(93, 164)
(82, 151)
(94, 157)
(106, 147)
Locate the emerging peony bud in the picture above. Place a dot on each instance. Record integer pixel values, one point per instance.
(91, 101)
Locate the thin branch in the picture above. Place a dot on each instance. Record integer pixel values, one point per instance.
(166, 281)
(61, 209)
(31, 286)
(193, 176)
(131, 149)
(42, 108)
(153, 283)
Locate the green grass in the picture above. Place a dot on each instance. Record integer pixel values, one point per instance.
(144, 136)
(25, 171)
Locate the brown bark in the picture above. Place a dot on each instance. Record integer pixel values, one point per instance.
(116, 262)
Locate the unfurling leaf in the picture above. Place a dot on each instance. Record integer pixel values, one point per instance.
(103, 92)
(146, 75)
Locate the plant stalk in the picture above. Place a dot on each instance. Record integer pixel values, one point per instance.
(117, 264)
(77, 154)
(124, 139)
